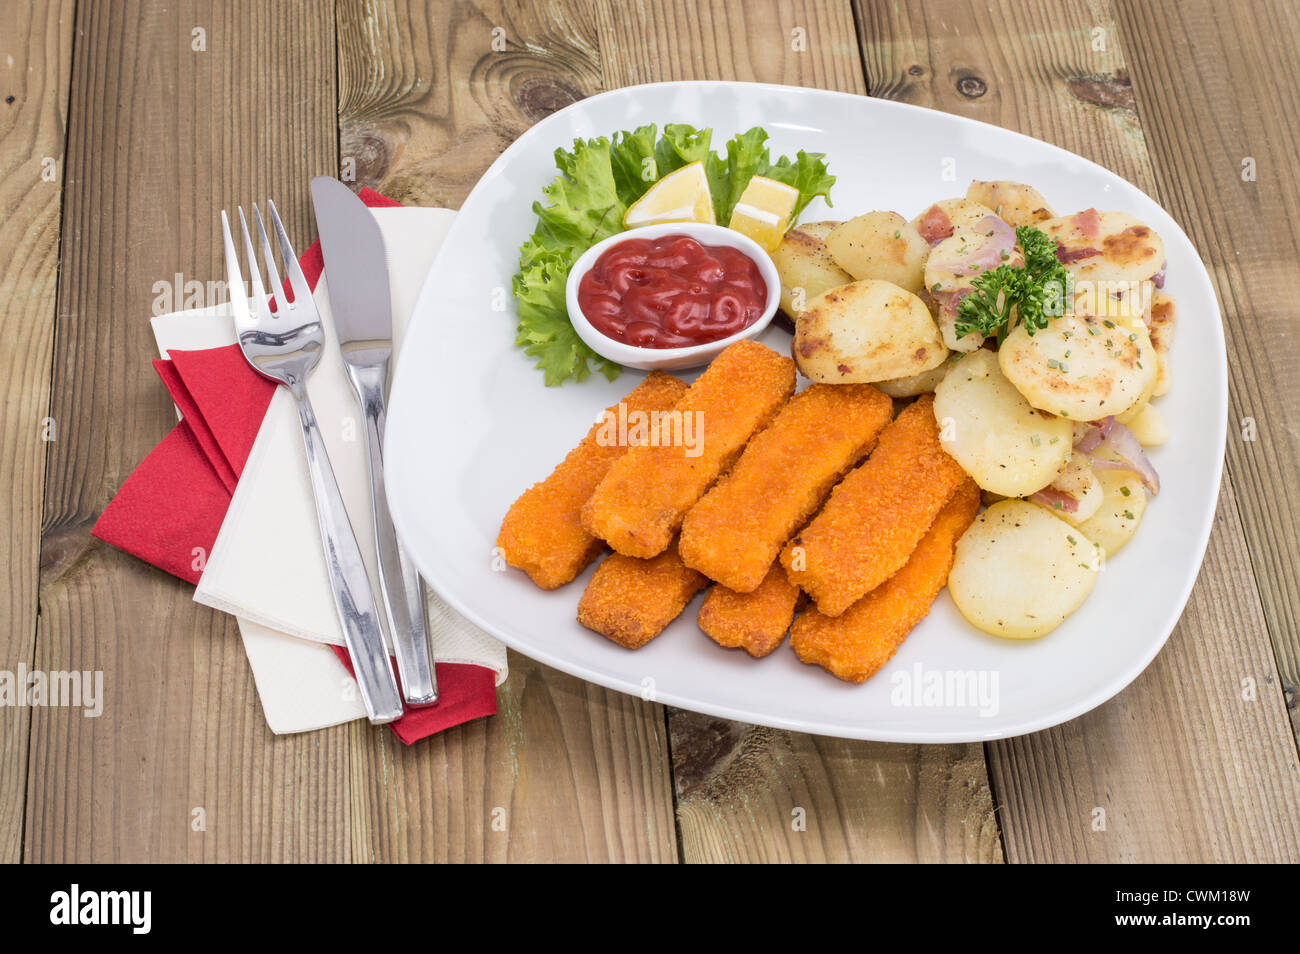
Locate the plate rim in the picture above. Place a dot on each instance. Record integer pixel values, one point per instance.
(1113, 685)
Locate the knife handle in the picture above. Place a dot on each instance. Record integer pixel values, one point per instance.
(349, 581)
(408, 622)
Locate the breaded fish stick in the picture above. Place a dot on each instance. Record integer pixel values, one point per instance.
(877, 515)
(756, 621)
(630, 601)
(542, 533)
(639, 504)
(854, 645)
(735, 532)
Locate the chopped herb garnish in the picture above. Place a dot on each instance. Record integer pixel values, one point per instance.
(1125, 491)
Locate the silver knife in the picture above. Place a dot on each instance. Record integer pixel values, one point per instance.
(356, 269)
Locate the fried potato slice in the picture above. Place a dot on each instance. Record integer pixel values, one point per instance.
(881, 245)
(1149, 426)
(1014, 202)
(1019, 571)
(855, 645)
(955, 263)
(1080, 367)
(864, 332)
(1112, 246)
(806, 267)
(1124, 501)
(1076, 486)
(915, 384)
(940, 220)
(1164, 317)
(994, 433)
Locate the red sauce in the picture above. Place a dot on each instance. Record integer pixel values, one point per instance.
(671, 292)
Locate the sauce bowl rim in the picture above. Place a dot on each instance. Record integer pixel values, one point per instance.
(636, 356)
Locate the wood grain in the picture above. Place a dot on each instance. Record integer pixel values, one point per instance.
(569, 771)
(738, 785)
(1187, 764)
(161, 136)
(36, 43)
(753, 794)
(426, 102)
(804, 43)
(1232, 59)
(565, 772)
(1167, 754)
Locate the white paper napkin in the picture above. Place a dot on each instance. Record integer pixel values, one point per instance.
(267, 567)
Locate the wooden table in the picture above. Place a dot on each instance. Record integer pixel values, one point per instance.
(126, 126)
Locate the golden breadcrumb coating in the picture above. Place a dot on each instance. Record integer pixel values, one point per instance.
(756, 621)
(630, 601)
(542, 533)
(640, 503)
(737, 530)
(854, 645)
(876, 515)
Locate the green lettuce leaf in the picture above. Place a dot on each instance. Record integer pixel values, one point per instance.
(599, 179)
(807, 174)
(544, 331)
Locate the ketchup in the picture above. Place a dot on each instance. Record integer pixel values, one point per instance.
(671, 292)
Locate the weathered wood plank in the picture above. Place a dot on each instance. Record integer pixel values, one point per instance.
(36, 44)
(166, 126)
(566, 771)
(753, 794)
(743, 791)
(1166, 755)
(1223, 148)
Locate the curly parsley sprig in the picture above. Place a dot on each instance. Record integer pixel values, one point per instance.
(1006, 296)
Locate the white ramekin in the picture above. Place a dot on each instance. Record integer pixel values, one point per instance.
(667, 359)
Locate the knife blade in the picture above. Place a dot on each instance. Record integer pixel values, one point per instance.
(356, 273)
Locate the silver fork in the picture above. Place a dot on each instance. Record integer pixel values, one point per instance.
(285, 346)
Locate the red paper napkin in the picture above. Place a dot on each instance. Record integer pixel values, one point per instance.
(169, 510)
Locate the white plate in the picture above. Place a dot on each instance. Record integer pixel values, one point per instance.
(471, 426)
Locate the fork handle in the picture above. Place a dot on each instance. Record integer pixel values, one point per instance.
(353, 597)
(408, 622)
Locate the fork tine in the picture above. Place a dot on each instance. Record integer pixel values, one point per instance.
(272, 273)
(235, 291)
(259, 292)
(301, 290)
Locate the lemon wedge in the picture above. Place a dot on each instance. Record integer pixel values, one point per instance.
(680, 196)
(764, 210)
